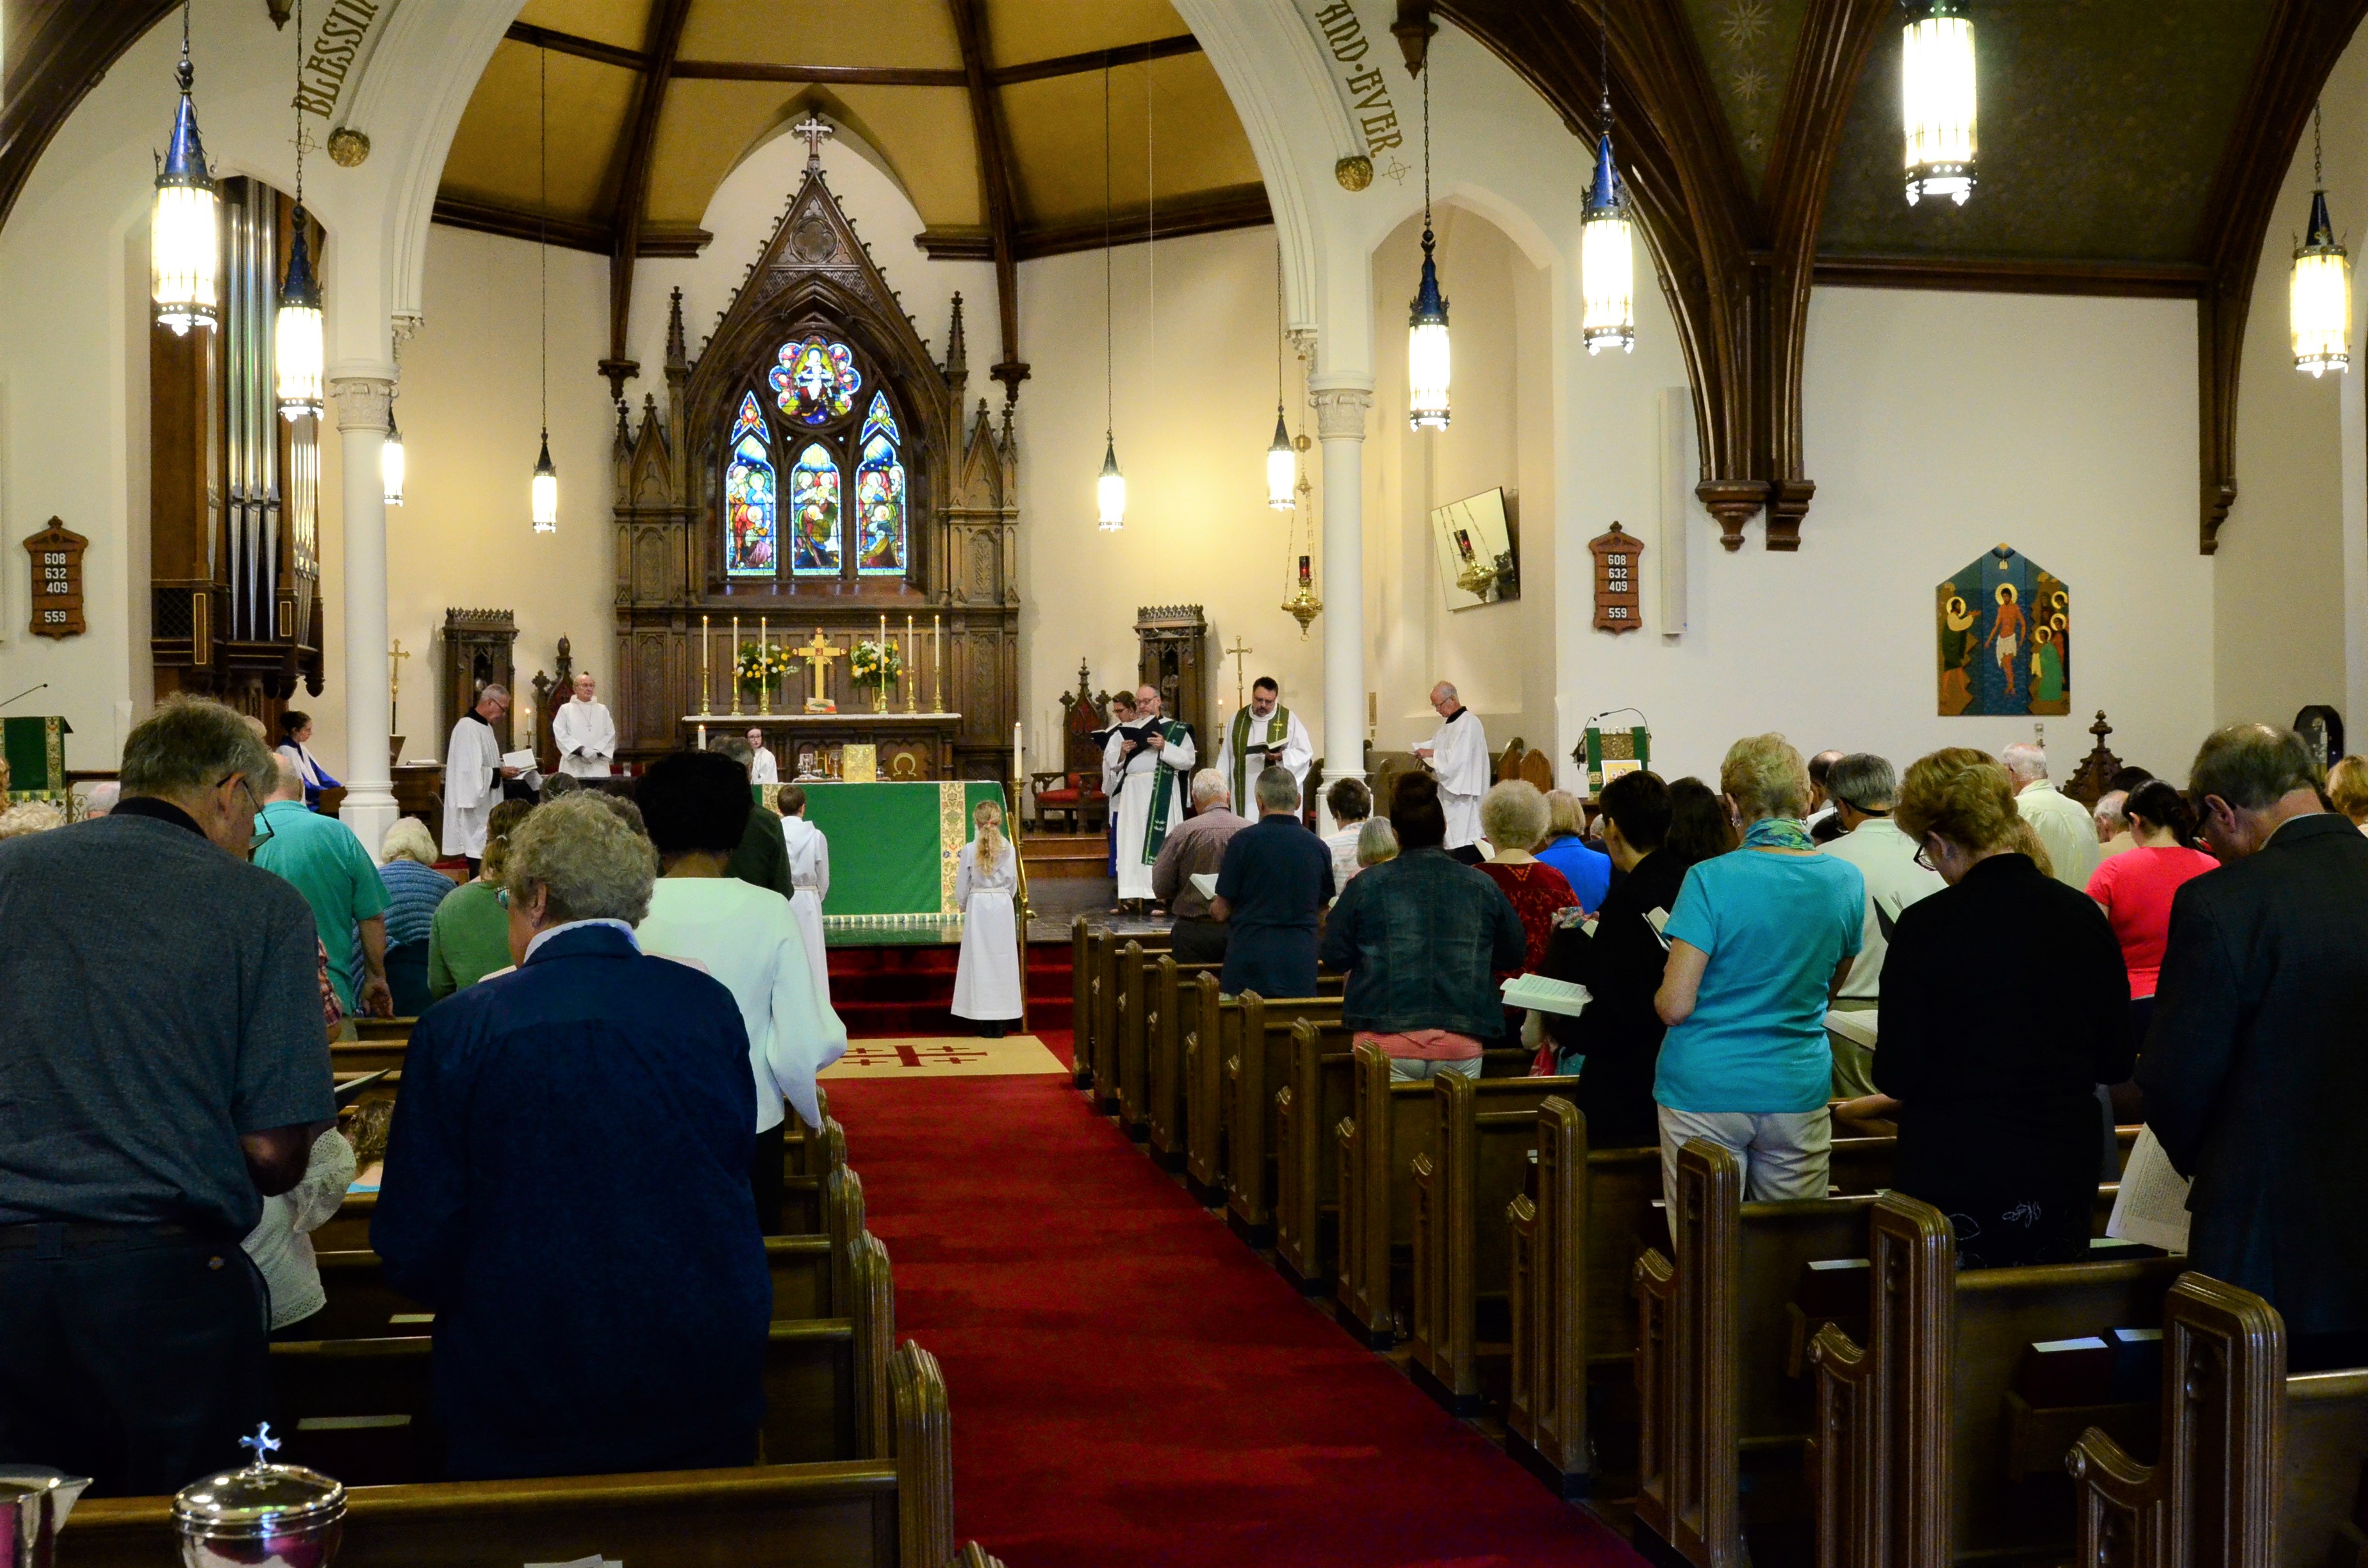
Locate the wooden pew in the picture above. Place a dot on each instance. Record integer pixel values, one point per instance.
(1081, 1001)
(1137, 981)
(1573, 1246)
(807, 1157)
(366, 1055)
(1255, 1033)
(1389, 1124)
(1925, 1454)
(1712, 1333)
(362, 1409)
(1182, 996)
(1486, 1131)
(1315, 1099)
(394, 1029)
(892, 1510)
(2256, 1467)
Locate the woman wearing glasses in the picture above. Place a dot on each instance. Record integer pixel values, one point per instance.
(2005, 1003)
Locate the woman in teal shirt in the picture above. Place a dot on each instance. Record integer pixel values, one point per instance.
(1760, 939)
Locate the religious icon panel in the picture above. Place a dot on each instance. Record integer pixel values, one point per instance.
(816, 381)
(749, 498)
(814, 515)
(2003, 625)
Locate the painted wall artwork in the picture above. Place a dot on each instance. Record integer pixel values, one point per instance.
(2005, 627)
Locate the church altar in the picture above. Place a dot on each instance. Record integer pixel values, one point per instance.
(907, 748)
(892, 855)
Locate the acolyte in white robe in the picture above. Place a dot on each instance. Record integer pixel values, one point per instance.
(1131, 787)
(986, 976)
(586, 738)
(1297, 752)
(473, 783)
(1459, 756)
(809, 850)
(763, 768)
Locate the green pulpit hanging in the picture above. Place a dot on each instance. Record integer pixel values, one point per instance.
(1611, 753)
(36, 750)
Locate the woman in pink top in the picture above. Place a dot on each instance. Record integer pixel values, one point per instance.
(2135, 888)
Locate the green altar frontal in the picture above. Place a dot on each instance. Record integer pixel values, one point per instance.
(892, 856)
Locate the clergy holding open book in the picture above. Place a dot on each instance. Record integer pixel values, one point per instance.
(1264, 734)
(1144, 765)
(475, 768)
(1458, 755)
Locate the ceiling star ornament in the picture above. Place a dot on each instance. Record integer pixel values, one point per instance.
(1744, 23)
(2319, 294)
(1937, 100)
(1749, 86)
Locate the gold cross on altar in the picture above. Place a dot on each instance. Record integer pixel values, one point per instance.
(818, 654)
(1241, 697)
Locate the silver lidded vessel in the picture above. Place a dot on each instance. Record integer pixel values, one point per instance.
(280, 1514)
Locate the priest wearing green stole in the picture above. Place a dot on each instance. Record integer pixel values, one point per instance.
(1265, 734)
(1145, 767)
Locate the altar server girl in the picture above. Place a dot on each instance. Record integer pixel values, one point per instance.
(809, 850)
(986, 875)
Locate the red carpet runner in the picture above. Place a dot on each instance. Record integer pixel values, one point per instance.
(1132, 1384)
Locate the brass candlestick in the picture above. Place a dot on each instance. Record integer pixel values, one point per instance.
(763, 676)
(937, 664)
(704, 700)
(735, 671)
(880, 676)
(910, 678)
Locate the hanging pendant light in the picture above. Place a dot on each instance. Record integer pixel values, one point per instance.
(1281, 462)
(1427, 354)
(296, 336)
(1109, 489)
(1936, 100)
(2318, 296)
(185, 230)
(1607, 255)
(545, 490)
(390, 460)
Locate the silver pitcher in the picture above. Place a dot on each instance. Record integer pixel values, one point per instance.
(33, 1505)
(280, 1514)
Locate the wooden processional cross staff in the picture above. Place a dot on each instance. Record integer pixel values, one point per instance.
(818, 654)
(1235, 653)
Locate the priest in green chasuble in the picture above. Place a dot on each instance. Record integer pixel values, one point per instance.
(1146, 767)
(1265, 734)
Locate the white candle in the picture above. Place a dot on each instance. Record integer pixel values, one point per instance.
(1019, 767)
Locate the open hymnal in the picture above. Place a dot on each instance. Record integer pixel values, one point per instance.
(1659, 919)
(1132, 734)
(521, 760)
(1857, 1028)
(2151, 1204)
(1544, 996)
(1204, 883)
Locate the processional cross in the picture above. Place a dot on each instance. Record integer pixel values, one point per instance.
(814, 129)
(394, 657)
(818, 654)
(1241, 697)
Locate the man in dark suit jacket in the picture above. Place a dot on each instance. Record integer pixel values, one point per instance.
(567, 1185)
(2256, 1067)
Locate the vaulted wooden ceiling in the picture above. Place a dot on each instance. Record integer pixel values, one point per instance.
(989, 114)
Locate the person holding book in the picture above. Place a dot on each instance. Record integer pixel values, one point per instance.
(1264, 734)
(1145, 767)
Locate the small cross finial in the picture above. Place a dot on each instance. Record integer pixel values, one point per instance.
(263, 1443)
(814, 129)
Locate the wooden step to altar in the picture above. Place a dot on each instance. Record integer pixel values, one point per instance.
(1066, 855)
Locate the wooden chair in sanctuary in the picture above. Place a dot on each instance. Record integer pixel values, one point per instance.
(1076, 791)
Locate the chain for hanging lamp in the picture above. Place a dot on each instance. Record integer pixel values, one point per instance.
(1428, 370)
(1282, 461)
(299, 348)
(1607, 252)
(1110, 488)
(544, 492)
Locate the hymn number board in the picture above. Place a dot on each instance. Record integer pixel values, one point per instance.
(57, 581)
(1618, 604)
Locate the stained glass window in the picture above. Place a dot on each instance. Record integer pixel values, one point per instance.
(816, 380)
(751, 540)
(878, 421)
(814, 510)
(879, 505)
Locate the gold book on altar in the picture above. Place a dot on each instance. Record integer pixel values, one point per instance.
(859, 764)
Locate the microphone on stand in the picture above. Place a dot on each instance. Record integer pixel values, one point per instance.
(43, 686)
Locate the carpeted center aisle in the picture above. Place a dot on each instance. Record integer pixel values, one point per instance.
(1132, 1384)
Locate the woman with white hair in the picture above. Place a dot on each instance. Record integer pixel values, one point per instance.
(1760, 940)
(414, 889)
(567, 1184)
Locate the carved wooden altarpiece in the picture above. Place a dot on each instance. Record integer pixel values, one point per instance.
(813, 470)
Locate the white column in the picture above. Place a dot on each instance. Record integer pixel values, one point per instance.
(361, 401)
(1340, 405)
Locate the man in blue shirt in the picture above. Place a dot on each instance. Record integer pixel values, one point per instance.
(1274, 883)
(329, 865)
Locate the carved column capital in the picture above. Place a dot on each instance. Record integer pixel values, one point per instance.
(1341, 413)
(361, 400)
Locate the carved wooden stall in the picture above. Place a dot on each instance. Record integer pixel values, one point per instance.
(479, 651)
(1172, 644)
(810, 480)
(233, 492)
